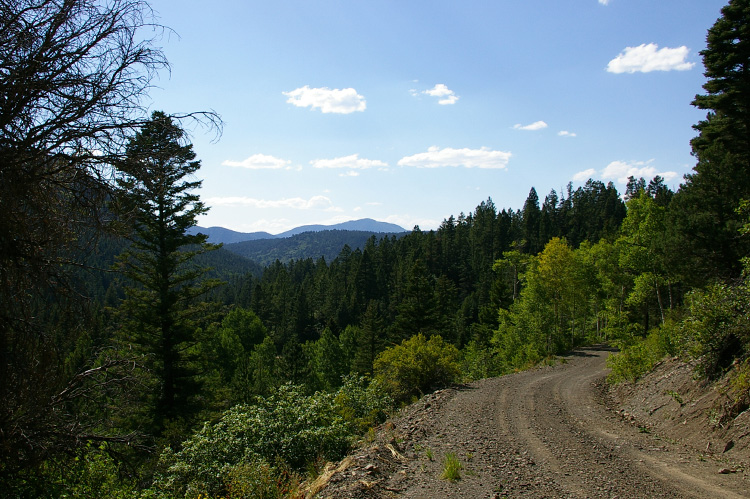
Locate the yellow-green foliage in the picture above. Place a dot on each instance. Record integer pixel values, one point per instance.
(717, 329)
(636, 359)
(638, 356)
(417, 366)
(738, 391)
(451, 467)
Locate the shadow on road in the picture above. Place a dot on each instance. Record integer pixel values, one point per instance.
(584, 351)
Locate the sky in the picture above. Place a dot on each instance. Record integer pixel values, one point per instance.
(412, 111)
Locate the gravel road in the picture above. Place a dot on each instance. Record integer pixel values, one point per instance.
(549, 432)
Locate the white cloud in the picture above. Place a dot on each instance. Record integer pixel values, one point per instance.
(646, 58)
(565, 133)
(274, 226)
(445, 95)
(352, 161)
(339, 101)
(621, 170)
(259, 162)
(584, 175)
(468, 158)
(604, 2)
(537, 125)
(350, 173)
(409, 221)
(314, 203)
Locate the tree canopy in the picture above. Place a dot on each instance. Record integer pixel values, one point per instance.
(160, 315)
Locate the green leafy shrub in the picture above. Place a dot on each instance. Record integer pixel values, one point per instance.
(417, 366)
(258, 479)
(89, 474)
(478, 362)
(717, 329)
(636, 359)
(362, 404)
(256, 451)
(738, 392)
(287, 426)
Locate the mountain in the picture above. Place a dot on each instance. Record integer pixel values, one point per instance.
(363, 225)
(325, 243)
(227, 236)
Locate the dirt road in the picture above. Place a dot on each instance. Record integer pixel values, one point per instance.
(547, 432)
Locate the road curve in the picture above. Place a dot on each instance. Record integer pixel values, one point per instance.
(549, 433)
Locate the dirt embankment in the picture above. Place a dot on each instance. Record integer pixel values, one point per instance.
(552, 432)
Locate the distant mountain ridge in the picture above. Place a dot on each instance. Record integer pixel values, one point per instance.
(327, 244)
(227, 236)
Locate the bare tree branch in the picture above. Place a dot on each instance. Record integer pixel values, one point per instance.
(74, 79)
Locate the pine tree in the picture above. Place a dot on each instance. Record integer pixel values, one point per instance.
(532, 216)
(704, 208)
(161, 313)
(727, 66)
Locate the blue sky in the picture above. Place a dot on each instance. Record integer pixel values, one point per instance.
(412, 111)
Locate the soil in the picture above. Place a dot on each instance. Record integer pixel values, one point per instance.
(558, 431)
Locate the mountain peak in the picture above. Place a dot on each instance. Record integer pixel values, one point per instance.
(227, 236)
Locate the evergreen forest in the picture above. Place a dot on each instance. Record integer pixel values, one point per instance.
(140, 360)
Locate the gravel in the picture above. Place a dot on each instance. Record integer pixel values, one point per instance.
(550, 432)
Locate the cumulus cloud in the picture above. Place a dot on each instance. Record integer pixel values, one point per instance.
(314, 203)
(649, 57)
(352, 161)
(259, 162)
(409, 221)
(584, 175)
(339, 101)
(445, 95)
(537, 125)
(467, 158)
(565, 133)
(619, 171)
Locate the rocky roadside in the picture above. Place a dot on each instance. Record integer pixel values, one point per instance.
(550, 432)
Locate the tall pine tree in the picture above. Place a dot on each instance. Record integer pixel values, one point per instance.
(704, 208)
(161, 312)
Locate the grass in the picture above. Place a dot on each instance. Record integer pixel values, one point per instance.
(451, 467)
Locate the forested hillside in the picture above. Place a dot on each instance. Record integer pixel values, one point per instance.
(325, 243)
(178, 369)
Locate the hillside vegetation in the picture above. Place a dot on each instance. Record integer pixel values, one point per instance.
(325, 243)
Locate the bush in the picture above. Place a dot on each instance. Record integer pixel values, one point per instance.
(636, 358)
(362, 404)
(287, 426)
(479, 362)
(90, 473)
(717, 331)
(417, 366)
(259, 480)
(634, 361)
(256, 451)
